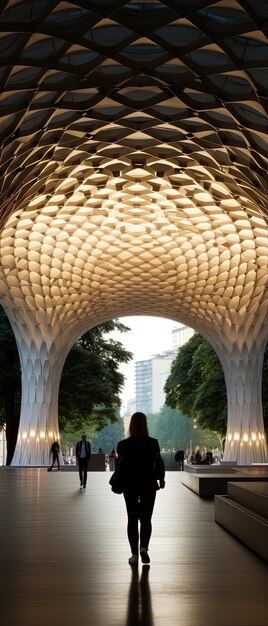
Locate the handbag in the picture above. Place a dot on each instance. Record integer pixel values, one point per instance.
(116, 481)
(159, 468)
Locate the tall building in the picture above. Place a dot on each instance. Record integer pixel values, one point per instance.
(151, 374)
(130, 407)
(181, 335)
(150, 377)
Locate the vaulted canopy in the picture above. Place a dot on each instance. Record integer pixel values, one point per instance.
(134, 181)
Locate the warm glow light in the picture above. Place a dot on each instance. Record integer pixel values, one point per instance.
(139, 202)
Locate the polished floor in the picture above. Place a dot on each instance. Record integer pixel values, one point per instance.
(64, 558)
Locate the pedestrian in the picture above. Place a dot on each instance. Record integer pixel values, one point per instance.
(112, 458)
(198, 456)
(83, 454)
(55, 451)
(179, 457)
(210, 457)
(191, 458)
(205, 459)
(141, 466)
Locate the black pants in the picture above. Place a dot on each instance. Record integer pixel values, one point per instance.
(139, 508)
(181, 465)
(83, 463)
(55, 458)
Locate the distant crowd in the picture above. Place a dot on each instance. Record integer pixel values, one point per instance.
(198, 457)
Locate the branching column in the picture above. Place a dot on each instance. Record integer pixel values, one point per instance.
(245, 439)
(41, 370)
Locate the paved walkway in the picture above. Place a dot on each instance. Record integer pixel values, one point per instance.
(64, 558)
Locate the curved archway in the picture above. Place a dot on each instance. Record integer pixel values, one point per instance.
(134, 151)
(87, 267)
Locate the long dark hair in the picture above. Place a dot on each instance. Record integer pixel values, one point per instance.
(138, 425)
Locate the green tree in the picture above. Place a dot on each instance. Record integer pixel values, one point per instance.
(108, 437)
(196, 385)
(91, 380)
(70, 435)
(173, 429)
(180, 387)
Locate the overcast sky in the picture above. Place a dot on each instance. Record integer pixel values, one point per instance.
(148, 336)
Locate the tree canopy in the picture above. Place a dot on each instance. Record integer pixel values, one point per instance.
(196, 385)
(174, 430)
(91, 380)
(108, 437)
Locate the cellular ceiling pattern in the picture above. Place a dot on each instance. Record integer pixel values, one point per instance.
(134, 181)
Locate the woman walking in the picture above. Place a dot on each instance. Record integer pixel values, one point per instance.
(141, 466)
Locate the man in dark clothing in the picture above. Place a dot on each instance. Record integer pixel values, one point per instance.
(55, 450)
(83, 454)
(179, 457)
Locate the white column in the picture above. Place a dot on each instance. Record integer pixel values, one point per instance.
(41, 371)
(245, 438)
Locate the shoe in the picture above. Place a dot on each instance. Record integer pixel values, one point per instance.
(84, 486)
(144, 555)
(81, 486)
(133, 559)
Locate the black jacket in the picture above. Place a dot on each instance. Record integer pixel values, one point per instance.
(78, 448)
(55, 448)
(140, 464)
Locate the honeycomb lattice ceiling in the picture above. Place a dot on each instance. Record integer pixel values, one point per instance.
(134, 160)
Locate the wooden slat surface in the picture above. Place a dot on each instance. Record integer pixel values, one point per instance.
(64, 558)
